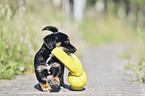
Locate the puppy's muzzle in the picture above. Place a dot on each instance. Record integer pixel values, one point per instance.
(73, 50)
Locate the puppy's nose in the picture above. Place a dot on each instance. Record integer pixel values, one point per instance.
(73, 50)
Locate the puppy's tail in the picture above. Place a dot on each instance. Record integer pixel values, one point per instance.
(50, 28)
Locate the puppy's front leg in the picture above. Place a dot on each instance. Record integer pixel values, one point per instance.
(40, 74)
(55, 80)
(61, 75)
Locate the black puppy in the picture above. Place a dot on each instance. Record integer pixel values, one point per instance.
(46, 65)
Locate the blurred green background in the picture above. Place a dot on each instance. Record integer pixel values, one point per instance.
(87, 22)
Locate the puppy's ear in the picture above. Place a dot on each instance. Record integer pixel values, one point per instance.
(50, 41)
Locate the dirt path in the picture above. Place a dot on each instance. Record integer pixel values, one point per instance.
(105, 71)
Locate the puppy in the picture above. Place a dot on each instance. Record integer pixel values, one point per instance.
(45, 64)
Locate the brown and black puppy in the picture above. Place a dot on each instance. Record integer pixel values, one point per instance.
(45, 64)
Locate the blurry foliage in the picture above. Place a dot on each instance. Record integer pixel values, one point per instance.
(20, 34)
(100, 31)
(140, 3)
(114, 20)
(138, 68)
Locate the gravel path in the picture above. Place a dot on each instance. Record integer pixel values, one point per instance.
(105, 71)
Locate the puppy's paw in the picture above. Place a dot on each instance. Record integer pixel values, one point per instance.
(55, 83)
(45, 87)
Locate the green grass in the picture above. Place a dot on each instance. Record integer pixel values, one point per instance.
(21, 36)
(138, 68)
(97, 31)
